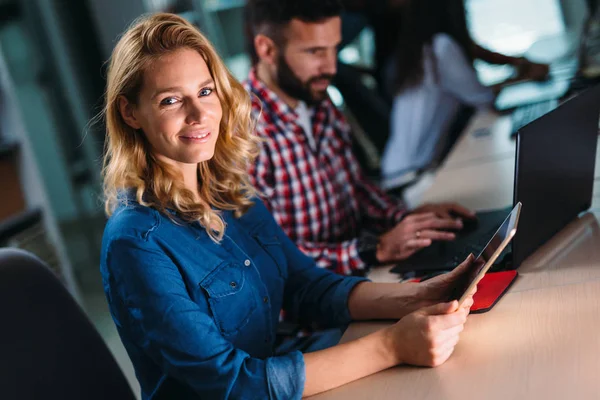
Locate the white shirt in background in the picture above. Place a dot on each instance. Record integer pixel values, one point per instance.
(422, 114)
(305, 122)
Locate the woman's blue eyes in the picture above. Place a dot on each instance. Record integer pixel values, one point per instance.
(169, 101)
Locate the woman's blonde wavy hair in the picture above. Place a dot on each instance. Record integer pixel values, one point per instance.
(129, 163)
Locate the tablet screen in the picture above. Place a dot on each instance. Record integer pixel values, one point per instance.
(488, 255)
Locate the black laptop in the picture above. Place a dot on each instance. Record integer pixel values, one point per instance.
(554, 178)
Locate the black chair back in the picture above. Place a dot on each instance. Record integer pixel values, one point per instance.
(48, 347)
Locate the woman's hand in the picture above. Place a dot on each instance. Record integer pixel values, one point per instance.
(438, 289)
(427, 337)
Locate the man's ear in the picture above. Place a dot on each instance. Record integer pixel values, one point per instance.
(127, 110)
(266, 49)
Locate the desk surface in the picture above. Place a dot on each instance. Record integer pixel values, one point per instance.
(487, 185)
(541, 340)
(535, 344)
(486, 138)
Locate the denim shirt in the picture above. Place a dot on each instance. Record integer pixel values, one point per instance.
(198, 318)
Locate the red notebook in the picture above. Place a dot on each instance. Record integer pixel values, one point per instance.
(490, 289)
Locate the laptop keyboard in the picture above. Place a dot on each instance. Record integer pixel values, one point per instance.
(442, 255)
(530, 112)
(475, 246)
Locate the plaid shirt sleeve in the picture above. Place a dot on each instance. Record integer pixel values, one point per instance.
(342, 258)
(380, 212)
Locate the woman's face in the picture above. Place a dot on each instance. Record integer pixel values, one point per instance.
(178, 109)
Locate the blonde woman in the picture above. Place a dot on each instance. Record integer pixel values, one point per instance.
(194, 267)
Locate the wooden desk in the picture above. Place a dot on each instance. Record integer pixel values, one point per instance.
(487, 185)
(570, 257)
(541, 340)
(536, 344)
(487, 137)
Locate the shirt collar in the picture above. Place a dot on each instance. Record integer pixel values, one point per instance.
(128, 196)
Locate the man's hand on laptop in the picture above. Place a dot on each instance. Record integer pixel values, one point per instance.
(446, 210)
(414, 232)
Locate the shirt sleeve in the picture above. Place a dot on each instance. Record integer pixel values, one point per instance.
(381, 212)
(341, 258)
(457, 74)
(149, 294)
(314, 294)
(261, 174)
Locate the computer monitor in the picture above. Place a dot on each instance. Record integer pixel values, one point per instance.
(554, 170)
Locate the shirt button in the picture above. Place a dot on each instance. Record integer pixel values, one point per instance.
(247, 263)
(233, 284)
(265, 299)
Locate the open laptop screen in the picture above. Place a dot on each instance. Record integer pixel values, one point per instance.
(554, 173)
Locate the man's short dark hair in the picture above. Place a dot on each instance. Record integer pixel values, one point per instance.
(271, 17)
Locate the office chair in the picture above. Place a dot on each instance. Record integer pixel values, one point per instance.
(371, 111)
(48, 347)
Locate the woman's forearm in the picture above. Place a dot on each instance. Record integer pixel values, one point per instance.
(493, 57)
(384, 300)
(344, 363)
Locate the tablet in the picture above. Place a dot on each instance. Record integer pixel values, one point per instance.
(467, 281)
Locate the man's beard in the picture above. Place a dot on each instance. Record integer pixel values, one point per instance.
(294, 87)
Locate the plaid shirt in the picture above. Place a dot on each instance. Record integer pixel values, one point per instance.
(320, 197)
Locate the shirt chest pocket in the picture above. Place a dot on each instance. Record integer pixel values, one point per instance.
(272, 247)
(231, 297)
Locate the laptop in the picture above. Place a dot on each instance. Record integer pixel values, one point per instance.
(554, 178)
(531, 93)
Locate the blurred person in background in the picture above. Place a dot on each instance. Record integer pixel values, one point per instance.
(434, 78)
